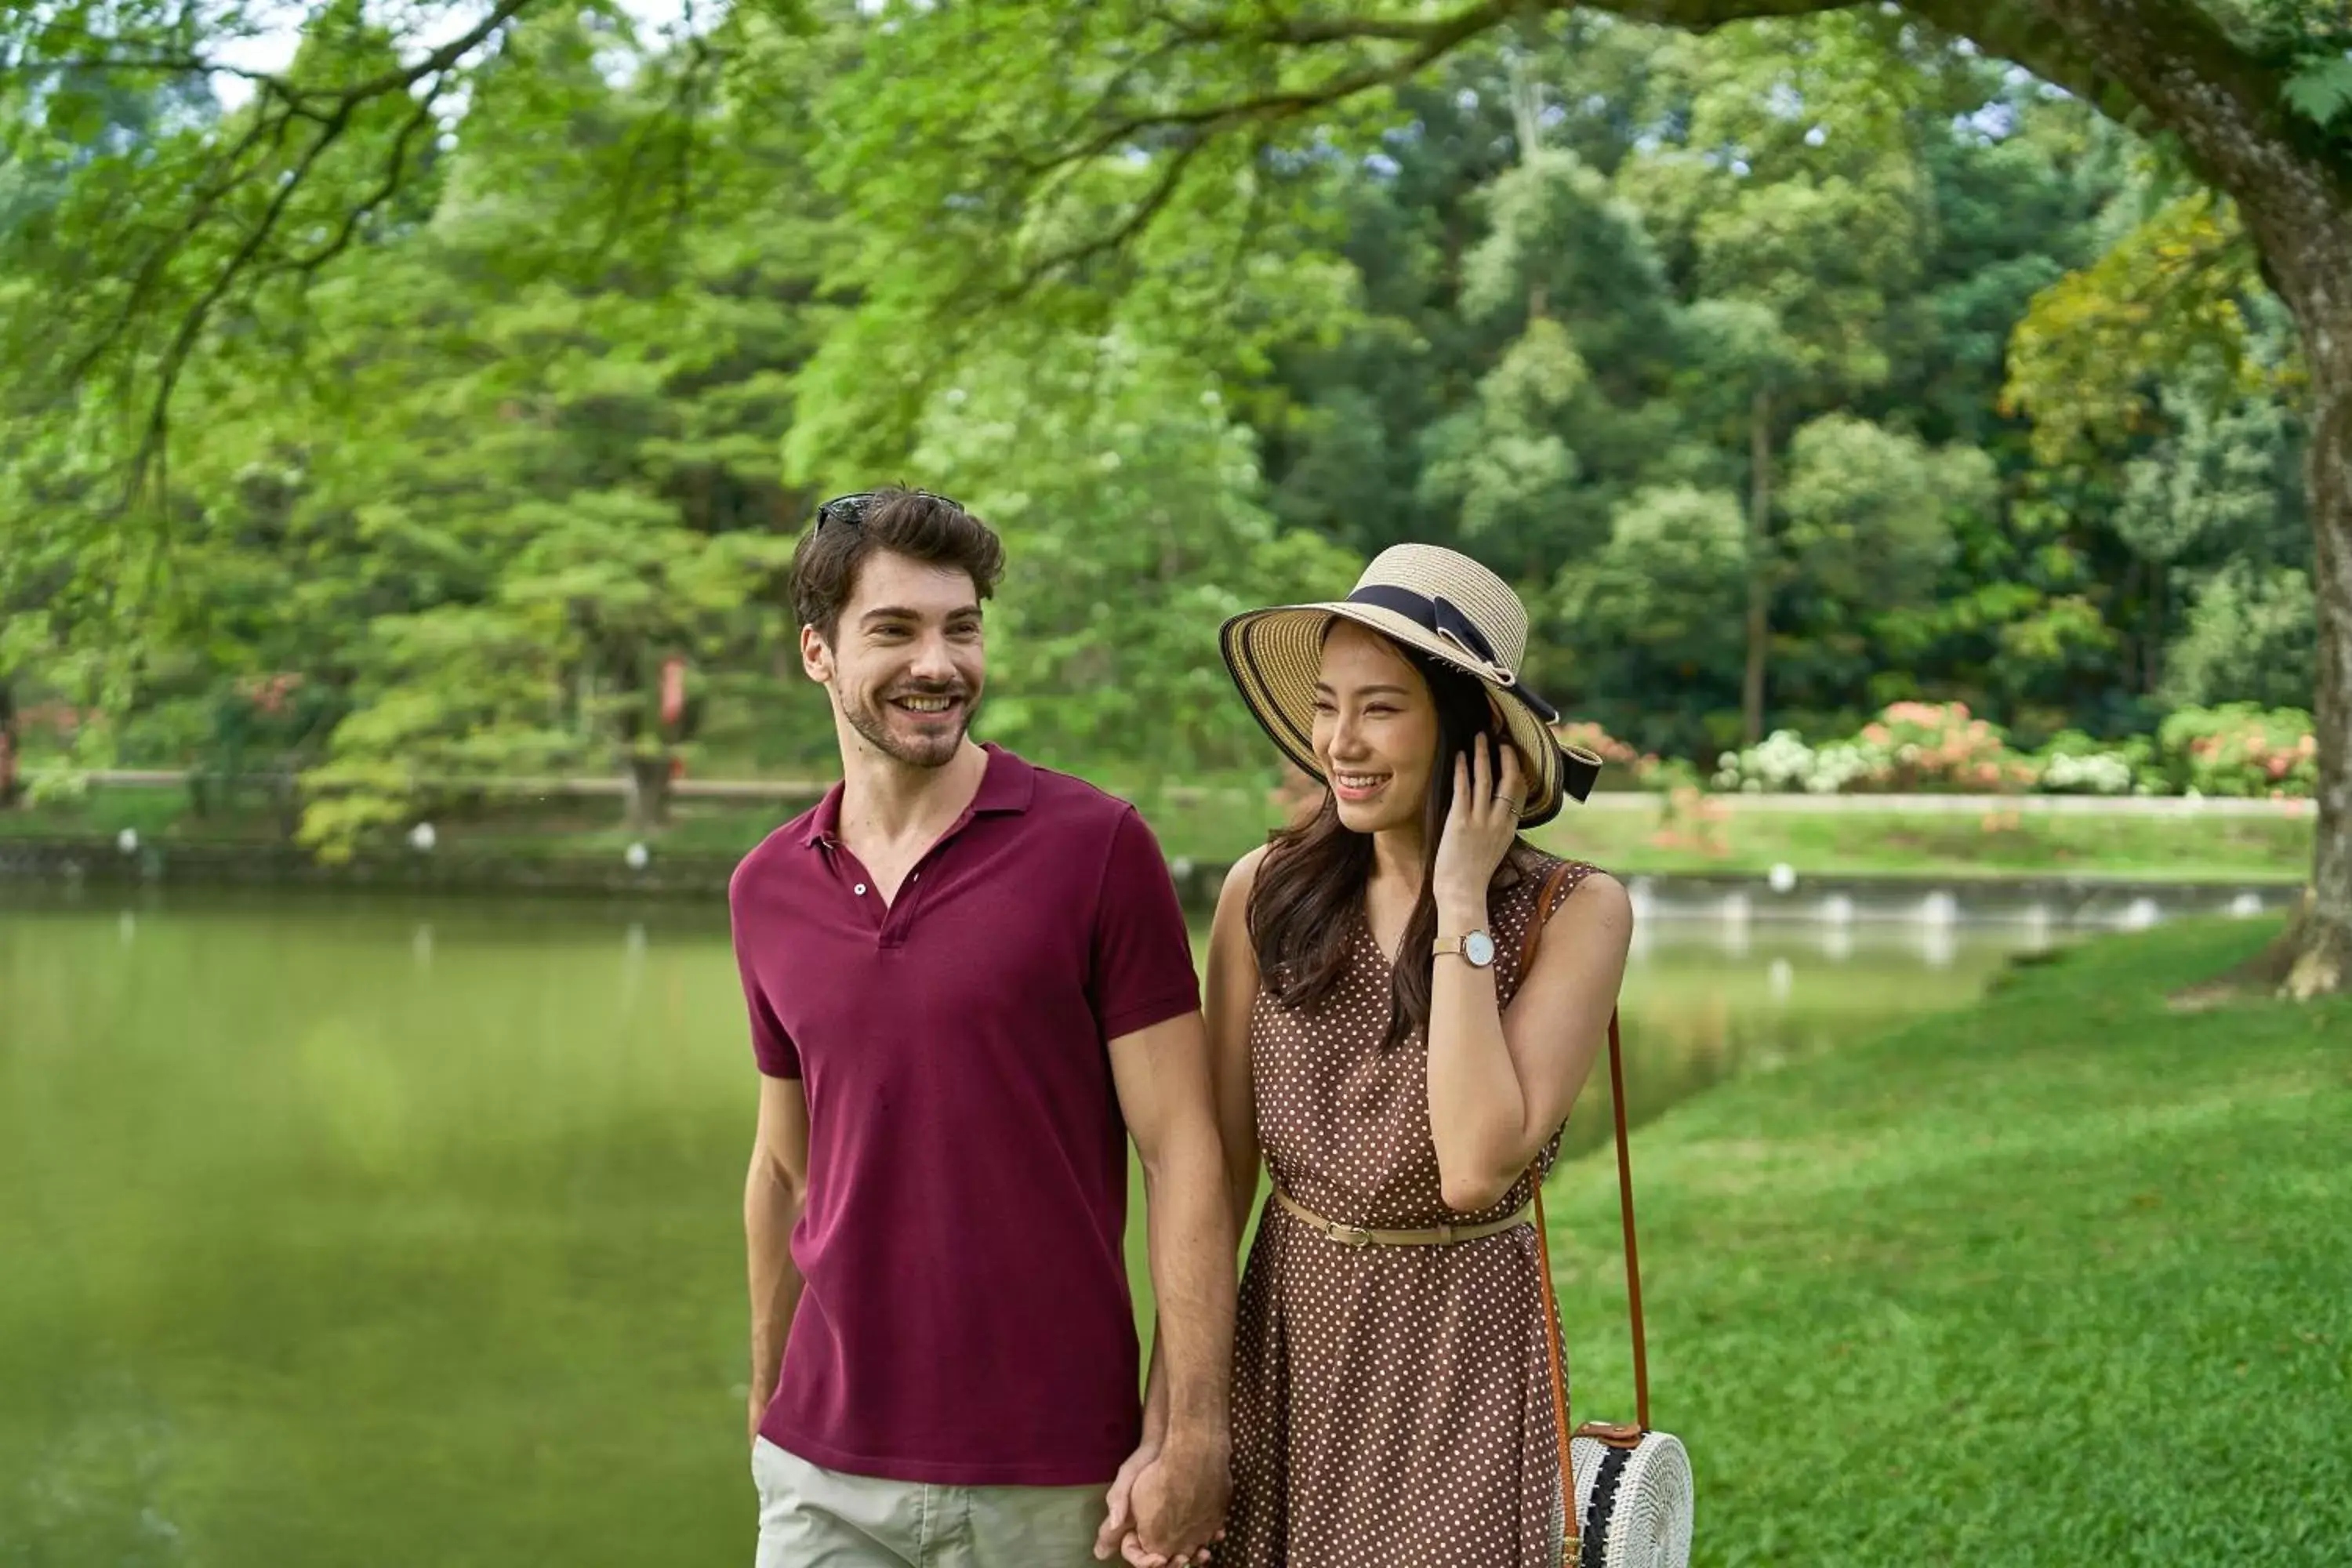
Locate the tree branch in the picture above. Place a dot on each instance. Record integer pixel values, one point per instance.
(1440, 38)
(1162, 191)
(163, 65)
(1706, 15)
(388, 187)
(278, 105)
(192, 325)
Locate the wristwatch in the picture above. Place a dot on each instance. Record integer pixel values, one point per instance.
(1475, 946)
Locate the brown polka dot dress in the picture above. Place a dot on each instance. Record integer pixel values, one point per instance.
(1391, 1405)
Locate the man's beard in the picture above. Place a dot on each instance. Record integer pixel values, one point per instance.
(934, 747)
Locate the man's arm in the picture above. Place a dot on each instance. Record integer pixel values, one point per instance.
(774, 1195)
(1164, 1092)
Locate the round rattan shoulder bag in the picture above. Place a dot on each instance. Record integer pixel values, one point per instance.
(1631, 1486)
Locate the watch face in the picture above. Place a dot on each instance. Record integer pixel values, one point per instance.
(1478, 948)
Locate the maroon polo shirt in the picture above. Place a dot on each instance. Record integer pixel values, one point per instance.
(966, 1319)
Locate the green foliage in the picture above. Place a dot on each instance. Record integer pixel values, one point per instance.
(2084, 358)
(1203, 309)
(1126, 496)
(2252, 633)
(2322, 90)
(1661, 600)
(1869, 510)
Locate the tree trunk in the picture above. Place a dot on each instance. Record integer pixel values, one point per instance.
(2301, 218)
(648, 790)
(2314, 956)
(1759, 587)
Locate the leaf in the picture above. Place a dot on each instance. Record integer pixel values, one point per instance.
(2321, 90)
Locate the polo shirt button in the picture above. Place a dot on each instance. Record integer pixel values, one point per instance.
(860, 889)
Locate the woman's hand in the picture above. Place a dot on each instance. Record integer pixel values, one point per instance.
(1480, 828)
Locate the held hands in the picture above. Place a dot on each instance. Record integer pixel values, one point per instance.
(1167, 1506)
(1480, 827)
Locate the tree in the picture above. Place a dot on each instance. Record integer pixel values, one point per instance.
(1128, 499)
(1126, 165)
(1654, 612)
(2254, 95)
(1795, 193)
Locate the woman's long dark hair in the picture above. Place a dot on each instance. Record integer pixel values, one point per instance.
(1311, 888)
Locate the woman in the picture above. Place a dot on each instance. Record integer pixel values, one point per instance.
(1380, 1044)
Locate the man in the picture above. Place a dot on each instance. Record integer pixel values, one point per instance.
(965, 976)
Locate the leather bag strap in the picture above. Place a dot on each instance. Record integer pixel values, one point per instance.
(1554, 1329)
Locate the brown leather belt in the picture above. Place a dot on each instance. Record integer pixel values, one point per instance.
(1359, 1236)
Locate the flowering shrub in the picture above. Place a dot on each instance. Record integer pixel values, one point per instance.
(2096, 773)
(1932, 746)
(1910, 746)
(2241, 749)
(2073, 763)
(1784, 763)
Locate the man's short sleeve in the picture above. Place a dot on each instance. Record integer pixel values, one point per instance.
(1142, 951)
(771, 1046)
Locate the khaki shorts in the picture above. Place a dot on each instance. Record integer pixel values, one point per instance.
(814, 1518)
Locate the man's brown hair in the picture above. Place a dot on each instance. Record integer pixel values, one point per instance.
(913, 524)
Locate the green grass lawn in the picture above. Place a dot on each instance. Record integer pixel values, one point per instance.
(2062, 1279)
(1218, 822)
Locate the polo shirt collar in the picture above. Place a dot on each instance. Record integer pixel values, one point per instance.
(1005, 789)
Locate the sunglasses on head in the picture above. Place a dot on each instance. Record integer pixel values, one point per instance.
(849, 510)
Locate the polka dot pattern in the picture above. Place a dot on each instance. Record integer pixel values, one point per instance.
(1391, 1405)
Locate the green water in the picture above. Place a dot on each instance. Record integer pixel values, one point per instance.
(409, 1232)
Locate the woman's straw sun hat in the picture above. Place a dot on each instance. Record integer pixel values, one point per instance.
(1436, 602)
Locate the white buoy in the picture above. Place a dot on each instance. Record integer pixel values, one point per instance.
(1940, 909)
(1838, 910)
(422, 837)
(127, 841)
(2246, 906)
(636, 855)
(1784, 877)
(2141, 915)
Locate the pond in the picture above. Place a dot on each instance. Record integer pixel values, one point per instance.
(341, 1232)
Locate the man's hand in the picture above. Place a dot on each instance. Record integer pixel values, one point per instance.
(1119, 1523)
(1179, 1501)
